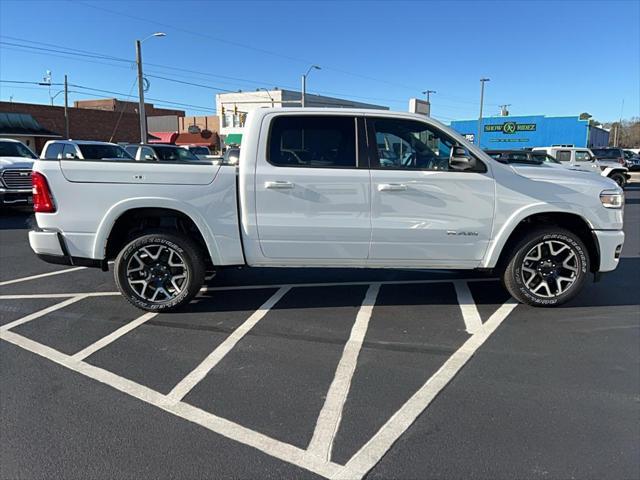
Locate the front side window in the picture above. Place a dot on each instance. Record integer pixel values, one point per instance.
(411, 145)
(103, 152)
(15, 149)
(313, 142)
(69, 151)
(563, 155)
(132, 150)
(583, 156)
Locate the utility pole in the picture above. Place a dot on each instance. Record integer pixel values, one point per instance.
(66, 108)
(427, 93)
(482, 82)
(304, 85)
(141, 112)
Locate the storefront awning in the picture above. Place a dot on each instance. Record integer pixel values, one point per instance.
(233, 139)
(202, 139)
(163, 137)
(22, 124)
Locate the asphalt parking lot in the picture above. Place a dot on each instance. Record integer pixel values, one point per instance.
(316, 373)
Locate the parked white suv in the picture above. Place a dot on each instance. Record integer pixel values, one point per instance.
(330, 188)
(83, 150)
(16, 161)
(584, 159)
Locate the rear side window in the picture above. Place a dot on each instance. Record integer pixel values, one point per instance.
(54, 150)
(313, 142)
(563, 155)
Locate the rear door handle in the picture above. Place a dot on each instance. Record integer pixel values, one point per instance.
(278, 184)
(391, 187)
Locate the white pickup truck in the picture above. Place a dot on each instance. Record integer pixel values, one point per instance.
(329, 188)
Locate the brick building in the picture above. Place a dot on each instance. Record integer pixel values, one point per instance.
(84, 123)
(115, 105)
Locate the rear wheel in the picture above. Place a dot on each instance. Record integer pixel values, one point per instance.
(619, 178)
(160, 271)
(547, 268)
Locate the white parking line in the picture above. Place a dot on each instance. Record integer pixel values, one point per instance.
(468, 307)
(42, 312)
(42, 275)
(57, 295)
(192, 379)
(112, 337)
(219, 425)
(371, 453)
(331, 414)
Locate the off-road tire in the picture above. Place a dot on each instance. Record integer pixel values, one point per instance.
(514, 280)
(619, 178)
(189, 252)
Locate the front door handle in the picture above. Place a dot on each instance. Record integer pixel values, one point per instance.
(278, 184)
(391, 187)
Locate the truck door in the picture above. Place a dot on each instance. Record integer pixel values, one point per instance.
(312, 195)
(422, 211)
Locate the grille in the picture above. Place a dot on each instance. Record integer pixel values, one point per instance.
(17, 179)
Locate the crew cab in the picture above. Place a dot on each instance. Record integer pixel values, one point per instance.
(16, 160)
(329, 188)
(584, 159)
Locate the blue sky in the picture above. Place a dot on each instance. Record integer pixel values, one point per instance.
(552, 58)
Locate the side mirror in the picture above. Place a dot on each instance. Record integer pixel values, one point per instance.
(460, 159)
(69, 156)
(149, 157)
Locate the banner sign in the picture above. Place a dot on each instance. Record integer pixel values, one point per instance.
(510, 127)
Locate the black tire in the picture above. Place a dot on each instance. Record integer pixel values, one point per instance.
(619, 178)
(521, 283)
(186, 260)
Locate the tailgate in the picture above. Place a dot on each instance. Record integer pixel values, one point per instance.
(161, 173)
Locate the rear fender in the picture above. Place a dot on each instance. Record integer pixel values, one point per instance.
(117, 210)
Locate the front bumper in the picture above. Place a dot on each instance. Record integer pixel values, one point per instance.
(50, 246)
(9, 196)
(609, 244)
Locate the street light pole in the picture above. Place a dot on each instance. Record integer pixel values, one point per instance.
(482, 82)
(66, 108)
(141, 112)
(304, 84)
(427, 93)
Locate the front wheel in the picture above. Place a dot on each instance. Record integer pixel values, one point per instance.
(160, 271)
(547, 268)
(619, 178)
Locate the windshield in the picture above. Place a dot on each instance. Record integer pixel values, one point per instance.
(15, 149)
(523, 157)
(99, 152)
(606, 152)
(174, 154)
(199, 150)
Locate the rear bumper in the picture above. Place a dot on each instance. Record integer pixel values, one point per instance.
(15, 197)
(50, 246)
(609, 246)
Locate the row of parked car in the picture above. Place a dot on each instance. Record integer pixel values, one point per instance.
(16, 159)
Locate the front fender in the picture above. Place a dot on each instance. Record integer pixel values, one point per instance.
(117, 210)
(504, 231)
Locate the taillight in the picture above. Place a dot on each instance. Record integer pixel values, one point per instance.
(42, 198)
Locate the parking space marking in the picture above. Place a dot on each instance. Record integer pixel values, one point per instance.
(192, 379)
(329, 419)
(41, 275)
(470, 314)
(373, 451)
(219, 425)
(25, 296)
(42, 312)
(112, 337)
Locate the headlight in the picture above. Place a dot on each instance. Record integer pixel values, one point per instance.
(612, 198)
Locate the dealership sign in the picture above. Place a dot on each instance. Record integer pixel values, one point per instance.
(510, 127)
